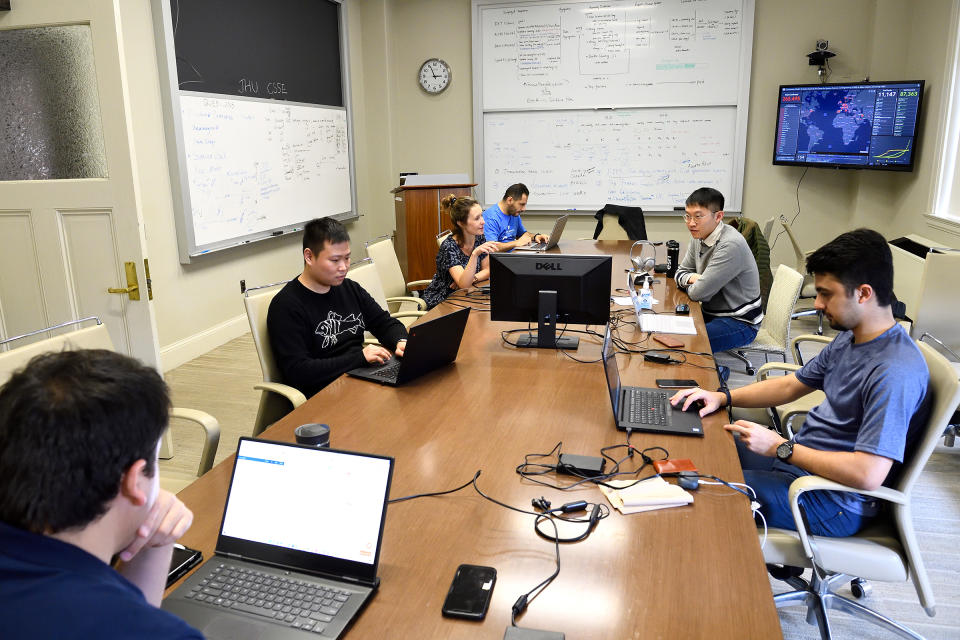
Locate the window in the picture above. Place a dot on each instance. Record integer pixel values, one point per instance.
(946, 199)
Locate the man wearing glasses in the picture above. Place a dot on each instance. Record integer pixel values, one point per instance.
(720, 272)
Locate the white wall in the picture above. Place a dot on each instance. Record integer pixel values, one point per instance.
(400, 128)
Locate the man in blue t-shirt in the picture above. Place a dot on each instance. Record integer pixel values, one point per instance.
(79, 436)
(502, 224)
(876, 383)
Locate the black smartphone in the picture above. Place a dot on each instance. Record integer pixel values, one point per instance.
(673, 383)
(470, 591)
(184, 559)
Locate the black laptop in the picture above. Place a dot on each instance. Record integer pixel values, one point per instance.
(643, 408)
(431, 345)
(298, 548)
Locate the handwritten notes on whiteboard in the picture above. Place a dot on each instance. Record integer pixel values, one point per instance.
(571, 55)
(645, 157)
(253, 166)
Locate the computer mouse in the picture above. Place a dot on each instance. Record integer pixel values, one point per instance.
(683, 309)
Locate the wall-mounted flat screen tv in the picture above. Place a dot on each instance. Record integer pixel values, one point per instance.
(857, 125)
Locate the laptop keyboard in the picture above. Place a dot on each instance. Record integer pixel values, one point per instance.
(537, 246)
(297, 603)
(388, 371)
(647, 407)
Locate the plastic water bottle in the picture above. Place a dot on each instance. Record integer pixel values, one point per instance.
(646, 296)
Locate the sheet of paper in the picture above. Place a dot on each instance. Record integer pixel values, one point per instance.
(663, 323)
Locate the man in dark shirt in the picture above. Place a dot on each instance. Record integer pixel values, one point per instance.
(316, 322)
(79, 435)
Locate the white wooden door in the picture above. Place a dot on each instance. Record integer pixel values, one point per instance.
(64, 241)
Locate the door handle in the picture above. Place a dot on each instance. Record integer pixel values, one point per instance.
(133, 287)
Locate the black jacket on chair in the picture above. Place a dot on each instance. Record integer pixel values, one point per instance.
(630, 218)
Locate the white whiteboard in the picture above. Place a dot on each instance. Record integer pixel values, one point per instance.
(589, 102)
(254, 166)
(641, 157)
(570, 55)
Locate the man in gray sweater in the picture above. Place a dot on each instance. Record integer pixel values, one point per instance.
(720, 272)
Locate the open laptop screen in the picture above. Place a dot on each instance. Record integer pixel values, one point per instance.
(293, 503)
(609, 356)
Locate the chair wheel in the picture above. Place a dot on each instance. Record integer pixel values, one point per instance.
(860, 588)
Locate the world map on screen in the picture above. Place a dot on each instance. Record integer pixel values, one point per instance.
(837, 121)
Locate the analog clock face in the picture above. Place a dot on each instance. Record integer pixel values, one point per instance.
(434, 75)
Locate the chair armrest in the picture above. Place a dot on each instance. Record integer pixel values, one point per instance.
(807, 337)
(420, 302)
(294, 396)
(211, 430)
(418, 284)
(764, 370)
(816, 483)
(408, 314)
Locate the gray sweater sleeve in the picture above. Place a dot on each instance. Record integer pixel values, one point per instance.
(725, 264)
(687, 266)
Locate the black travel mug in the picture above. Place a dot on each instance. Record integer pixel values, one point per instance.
(673, 257)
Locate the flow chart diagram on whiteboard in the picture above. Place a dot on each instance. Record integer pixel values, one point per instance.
(633, 102)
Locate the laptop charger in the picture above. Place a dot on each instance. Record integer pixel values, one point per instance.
(580, 466)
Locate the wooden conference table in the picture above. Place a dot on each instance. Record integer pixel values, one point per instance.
(689, 572)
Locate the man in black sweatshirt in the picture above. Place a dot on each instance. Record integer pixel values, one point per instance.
(316, 322)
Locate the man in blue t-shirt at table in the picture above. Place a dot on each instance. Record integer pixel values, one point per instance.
(502, 224)
(876, 383)
(79, 437)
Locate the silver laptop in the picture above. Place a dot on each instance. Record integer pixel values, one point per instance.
(551, 241)
(643, 408)
(298, 547)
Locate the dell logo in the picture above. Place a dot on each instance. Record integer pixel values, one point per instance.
(549, 266)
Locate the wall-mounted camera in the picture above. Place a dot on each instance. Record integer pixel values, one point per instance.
(819, 58)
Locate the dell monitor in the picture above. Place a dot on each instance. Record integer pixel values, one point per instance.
(550, 289)
(857, 125)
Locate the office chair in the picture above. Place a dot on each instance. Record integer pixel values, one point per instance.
(768, 228)
(384, 257)
(808, 291)
(365, 274)
(885, 550)
(442, 236)
(97, 337)
(276, 399)
(774, 333)
(786, 418)
(953, 428)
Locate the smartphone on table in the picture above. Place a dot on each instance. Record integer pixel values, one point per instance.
(674, 383)
(470, 591)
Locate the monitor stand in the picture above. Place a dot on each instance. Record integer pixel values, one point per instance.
(546, 337)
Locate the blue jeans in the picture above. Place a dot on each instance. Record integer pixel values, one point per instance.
(727, 333)
(828, 512)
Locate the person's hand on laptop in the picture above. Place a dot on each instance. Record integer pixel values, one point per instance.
(375, 354)
(712, 400)
(539, 237)
(401, 346)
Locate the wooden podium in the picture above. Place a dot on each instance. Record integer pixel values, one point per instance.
(419, 221)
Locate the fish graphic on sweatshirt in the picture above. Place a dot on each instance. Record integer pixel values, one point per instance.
(336, 325)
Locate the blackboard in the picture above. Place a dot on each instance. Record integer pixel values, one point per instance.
(258, 128)
(633, 102)
(282, 49)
